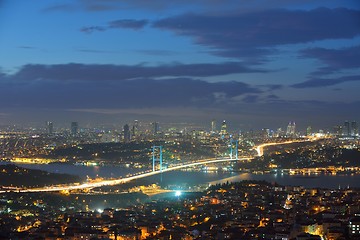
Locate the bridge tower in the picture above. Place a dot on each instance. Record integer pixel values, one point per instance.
(233, 148)
(157, 157)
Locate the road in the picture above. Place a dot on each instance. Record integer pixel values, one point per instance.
(260, 148)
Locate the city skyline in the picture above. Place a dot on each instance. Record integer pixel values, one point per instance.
(256, 64)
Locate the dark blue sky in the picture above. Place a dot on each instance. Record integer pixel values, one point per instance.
(255, 63)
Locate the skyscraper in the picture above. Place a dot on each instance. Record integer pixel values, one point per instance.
(74, 128)
(156, 128)
(291, 129)
(126, 133)
(223, 128)
(347, 130)
(266, 132)
(49, 128)
(338, 130)
(354, 129)
(213, 126)
(135, 129)
(308, 131)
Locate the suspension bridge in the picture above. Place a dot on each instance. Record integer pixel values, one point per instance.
(157, 156)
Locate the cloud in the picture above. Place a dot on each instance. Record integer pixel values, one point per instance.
(250, 98)
(321, 82)
(208, 5)
(154, 5)
(257, 34)
(139, 93)
(29, 95)
(60, 7)
(122, 86)
(92, 29)
(272, 97)
(27, 47)
(273, 86)
(106, 72)
(128, 23)
(158, 52)
(121, 23)
(94, 51)
(335, 59)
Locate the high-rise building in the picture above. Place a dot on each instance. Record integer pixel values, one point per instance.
(354, 129)
(213, 126)
(346, 129)
(223, 128)
(266, 133)
(279, 132)
(135, 128)
(136, 125)
(126, 133)
(291, 129)
(49, 128)
(338, 130)
(308, 131)
(74, 128)
(156, 128)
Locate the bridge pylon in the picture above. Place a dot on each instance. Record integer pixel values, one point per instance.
(157, 157)
(234, 144)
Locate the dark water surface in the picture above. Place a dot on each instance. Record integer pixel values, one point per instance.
(189, 177)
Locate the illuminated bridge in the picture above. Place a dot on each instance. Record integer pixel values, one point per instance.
(123, 180)
(112, 182)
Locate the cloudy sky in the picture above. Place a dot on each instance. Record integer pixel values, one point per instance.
(255, 63)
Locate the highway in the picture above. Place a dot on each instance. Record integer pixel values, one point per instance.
(260, 148)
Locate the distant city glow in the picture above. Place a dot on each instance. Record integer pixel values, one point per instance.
(178, 193)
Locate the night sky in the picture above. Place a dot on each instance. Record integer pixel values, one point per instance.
(254, 63)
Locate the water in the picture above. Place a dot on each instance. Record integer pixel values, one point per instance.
(191, 178)
(80, 170)
(320, 181)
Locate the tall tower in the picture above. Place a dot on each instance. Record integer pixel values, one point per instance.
(288, 129)
(347, 131)
(49, 128)
(213, 126)
(308, 131)
(156, 128)
(291, 129)
(338, 130)
(223, 128)
(354, 129)
(135, 128)
(126, 133)
(74, 128)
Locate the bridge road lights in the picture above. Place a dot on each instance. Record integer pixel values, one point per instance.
(157, 157)
(231, 145)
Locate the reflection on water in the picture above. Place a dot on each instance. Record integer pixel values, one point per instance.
(193, 178)
(321, 180)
